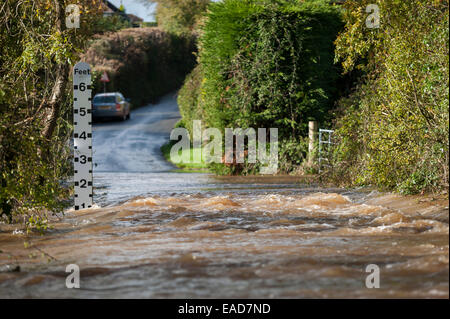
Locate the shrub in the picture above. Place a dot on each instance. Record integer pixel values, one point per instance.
(284, 75)
(188, 98)
(393, 130)
(36, 52)
(143, 63)
(265, 64)
(111, 23)
(180, 16)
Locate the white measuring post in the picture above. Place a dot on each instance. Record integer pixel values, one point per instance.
(82, 135)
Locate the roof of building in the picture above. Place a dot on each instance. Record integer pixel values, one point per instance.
(134, 18)
(110, 8)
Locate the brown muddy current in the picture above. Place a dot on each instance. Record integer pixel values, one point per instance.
(311, 244)
(172, 235)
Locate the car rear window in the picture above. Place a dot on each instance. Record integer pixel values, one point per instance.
(105, 99)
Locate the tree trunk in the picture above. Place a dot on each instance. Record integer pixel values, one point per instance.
(62, 76)
(56, 100)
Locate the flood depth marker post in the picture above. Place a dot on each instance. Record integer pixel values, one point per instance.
(82, 135)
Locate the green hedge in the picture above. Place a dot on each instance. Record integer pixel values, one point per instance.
(142, 63)
(265, 64)
(393, 131)
(188, 98)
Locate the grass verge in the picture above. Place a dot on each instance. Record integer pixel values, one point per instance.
(187, 156)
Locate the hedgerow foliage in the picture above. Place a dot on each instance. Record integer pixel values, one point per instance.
(142, 63)
(36, 54)
(189, 95)
(264, 64)
(393, 131)
(179, 16)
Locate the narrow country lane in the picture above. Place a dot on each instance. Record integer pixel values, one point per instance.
(133, 145)
(127, 157)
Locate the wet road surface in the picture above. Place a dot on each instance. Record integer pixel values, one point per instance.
(127, 157)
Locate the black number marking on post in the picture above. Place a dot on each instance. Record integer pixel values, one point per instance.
(83, 183)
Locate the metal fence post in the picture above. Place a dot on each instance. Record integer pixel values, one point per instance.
(323, 141)
(312, 134)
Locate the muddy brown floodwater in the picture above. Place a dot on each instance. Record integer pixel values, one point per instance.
(163, 234)
(238, 245)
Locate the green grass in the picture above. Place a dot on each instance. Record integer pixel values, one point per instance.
(187, 155)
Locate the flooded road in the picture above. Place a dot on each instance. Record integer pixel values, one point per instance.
(127, 157)
(162, 234)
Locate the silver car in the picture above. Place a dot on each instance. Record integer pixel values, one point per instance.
(111, 105)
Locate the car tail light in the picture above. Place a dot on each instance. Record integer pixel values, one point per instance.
(118, 107)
